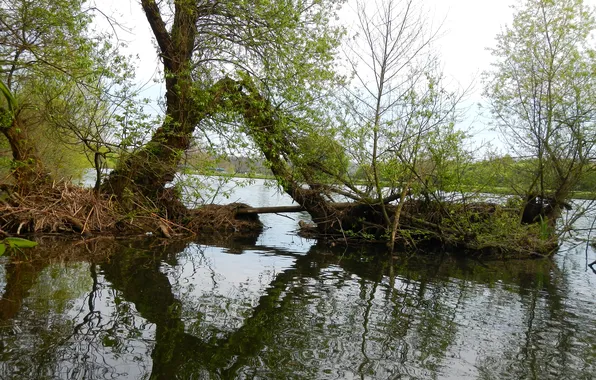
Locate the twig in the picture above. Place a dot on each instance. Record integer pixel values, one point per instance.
(285, 216)
(86, 220)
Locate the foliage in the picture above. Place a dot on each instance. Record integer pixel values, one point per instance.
(258, 80)
(289, 59)
(73, 88)
(15, 243)
(504, 174)
(320, 159)
(399, 119)
(227, 68)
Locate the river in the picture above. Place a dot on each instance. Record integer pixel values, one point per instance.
(283, 307)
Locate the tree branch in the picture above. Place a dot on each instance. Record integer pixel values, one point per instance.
(160, 31)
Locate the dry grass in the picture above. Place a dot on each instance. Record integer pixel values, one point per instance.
(210, 218)
(61, 207)
(65, 208)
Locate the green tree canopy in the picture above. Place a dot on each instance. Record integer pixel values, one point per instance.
(542, 91)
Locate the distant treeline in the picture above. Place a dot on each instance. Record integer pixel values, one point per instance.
(509, 172)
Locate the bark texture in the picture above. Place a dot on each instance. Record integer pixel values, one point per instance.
(28, 170)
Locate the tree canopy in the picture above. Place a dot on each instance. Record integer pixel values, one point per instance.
(542, 92)
(68, 85)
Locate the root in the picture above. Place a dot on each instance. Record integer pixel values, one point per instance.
(475, 229)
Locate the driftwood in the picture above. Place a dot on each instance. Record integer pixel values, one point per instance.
(64, 208)
(284, 209)
(269, 210)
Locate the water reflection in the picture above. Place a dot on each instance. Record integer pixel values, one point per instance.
(246, 311)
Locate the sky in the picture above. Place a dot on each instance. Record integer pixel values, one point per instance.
(468, 28)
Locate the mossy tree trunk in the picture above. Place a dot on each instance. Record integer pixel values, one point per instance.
(155, 165)
(27, 167)
(274, 141)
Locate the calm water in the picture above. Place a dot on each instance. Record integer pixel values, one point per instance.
(281, 307)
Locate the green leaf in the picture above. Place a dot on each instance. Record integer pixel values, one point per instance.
(2, 248)
(16, 242)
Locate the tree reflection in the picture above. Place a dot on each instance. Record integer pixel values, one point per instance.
(20, 277)
(322, 316)
(58, 331)
(553, 340)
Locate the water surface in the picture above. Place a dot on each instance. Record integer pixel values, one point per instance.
(279, 306)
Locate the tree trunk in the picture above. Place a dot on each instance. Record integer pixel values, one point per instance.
(149, 170)
(28, 169)
(263, 126)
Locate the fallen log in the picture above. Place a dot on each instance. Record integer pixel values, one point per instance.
(270, 210)
(284, 209)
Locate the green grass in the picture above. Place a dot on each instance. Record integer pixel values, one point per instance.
(501, 190)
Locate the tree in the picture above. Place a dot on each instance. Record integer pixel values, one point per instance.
(101, 114)
(253, 76)
(33, 36)
(541, 93)
(233, 63)
(400, 116)
(52, 66)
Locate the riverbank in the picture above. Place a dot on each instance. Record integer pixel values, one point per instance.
(64, 208)
(471, 229)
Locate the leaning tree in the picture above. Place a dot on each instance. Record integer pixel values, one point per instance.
(261, 66)
(261, 72)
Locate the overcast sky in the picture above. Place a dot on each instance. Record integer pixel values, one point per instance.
(469, 26)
